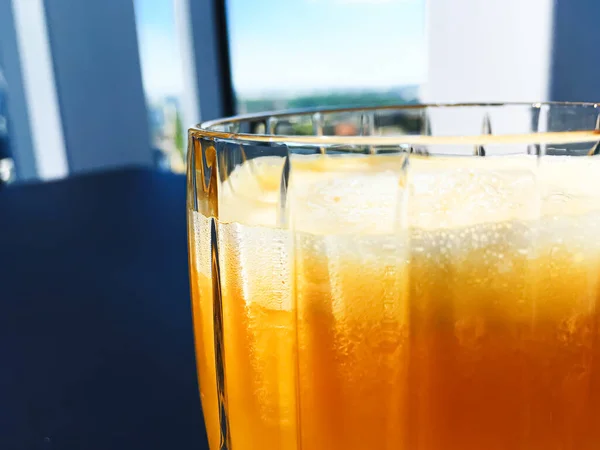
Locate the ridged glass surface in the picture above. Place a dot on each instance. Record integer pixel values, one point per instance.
(401, 278)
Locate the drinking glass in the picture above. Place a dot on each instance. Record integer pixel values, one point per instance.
(409, 278)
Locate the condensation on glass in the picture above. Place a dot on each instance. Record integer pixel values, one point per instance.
(419, 278)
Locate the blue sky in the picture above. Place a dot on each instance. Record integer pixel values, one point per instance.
(162, 70)
(297, 45)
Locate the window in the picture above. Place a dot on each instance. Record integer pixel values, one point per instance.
(302, 53)
(6, 164)
(162, 73)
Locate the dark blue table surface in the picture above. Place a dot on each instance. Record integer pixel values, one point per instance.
(96, 344)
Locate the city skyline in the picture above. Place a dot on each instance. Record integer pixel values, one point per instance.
(371, 44)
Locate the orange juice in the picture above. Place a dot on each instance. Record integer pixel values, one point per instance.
(450, 305)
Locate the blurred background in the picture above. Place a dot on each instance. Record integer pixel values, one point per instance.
(86, 86)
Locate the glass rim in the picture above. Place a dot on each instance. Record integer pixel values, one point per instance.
(216, 129)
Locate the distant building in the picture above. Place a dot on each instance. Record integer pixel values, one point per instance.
(156, 119)
(162, 115)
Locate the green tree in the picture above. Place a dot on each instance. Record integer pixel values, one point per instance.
(179, 136)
